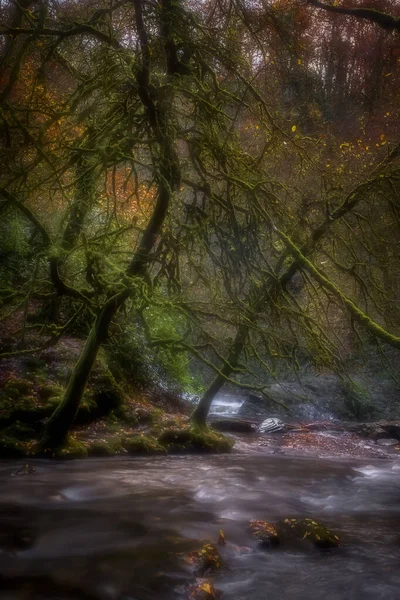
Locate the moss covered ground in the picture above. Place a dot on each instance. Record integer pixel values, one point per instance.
(115, 417)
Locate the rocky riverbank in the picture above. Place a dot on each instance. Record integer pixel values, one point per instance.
(380, 439)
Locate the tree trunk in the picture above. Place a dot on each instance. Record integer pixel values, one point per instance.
(199, 415)
(61, 420)
(271, 286)
(157, 104)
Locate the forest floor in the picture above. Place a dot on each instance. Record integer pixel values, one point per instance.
(117, 417)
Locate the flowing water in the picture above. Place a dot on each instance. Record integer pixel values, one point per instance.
(119, 529)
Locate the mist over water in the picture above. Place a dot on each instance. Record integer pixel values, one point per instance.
(120, 528)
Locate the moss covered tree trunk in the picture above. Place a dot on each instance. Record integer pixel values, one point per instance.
(257, 299)
(61, 420)
(199, 415)
(157, 104)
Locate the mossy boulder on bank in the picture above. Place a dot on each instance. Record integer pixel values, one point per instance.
(32, 389)
(11, 447)
(105, 447)
(194, 439)
(72, 449)
(18, 401)
(142, 444)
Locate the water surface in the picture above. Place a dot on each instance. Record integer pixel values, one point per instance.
(118, 529)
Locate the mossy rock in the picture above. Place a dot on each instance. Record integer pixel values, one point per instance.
(73, 448)
(17, 400)
(205, 560)
(308, 529)
(50, 392)
(265, 533)
(145, 415)
(143, 444)
(203, 590)
(11, 447)
(102, 448)
(19, 431)
(15, 387)
(194, 439)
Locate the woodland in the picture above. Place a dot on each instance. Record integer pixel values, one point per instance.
(194, 196)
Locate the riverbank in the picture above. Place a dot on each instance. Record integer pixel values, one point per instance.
(117, 416)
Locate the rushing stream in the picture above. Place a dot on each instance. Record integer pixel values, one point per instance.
(120, 528)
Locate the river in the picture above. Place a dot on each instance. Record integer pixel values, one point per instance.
(118, 529)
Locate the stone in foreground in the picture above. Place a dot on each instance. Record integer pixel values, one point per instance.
(308, 529)
(265, 533)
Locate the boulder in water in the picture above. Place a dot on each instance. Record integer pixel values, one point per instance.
(206, 560)
(308, 529)
(266, 533)
(272, 425)
(203, 590)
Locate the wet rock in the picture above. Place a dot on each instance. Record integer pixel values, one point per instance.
(233, 425)
(308, 529)
(203, 590)
(273, 426)
(265, 533)
(206, 560)
(26, 469)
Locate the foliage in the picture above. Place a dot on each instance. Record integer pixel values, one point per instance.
(227, 176)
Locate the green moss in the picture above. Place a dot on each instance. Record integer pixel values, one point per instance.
(19, 431)
(102, 396)
(308, 529)
(50, 391)
(143, 444)
(109, 447)
(11, 447)
(72, 449)
(194, 439)
(17, 399)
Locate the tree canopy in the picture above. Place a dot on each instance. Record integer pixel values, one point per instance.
(221, 177)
